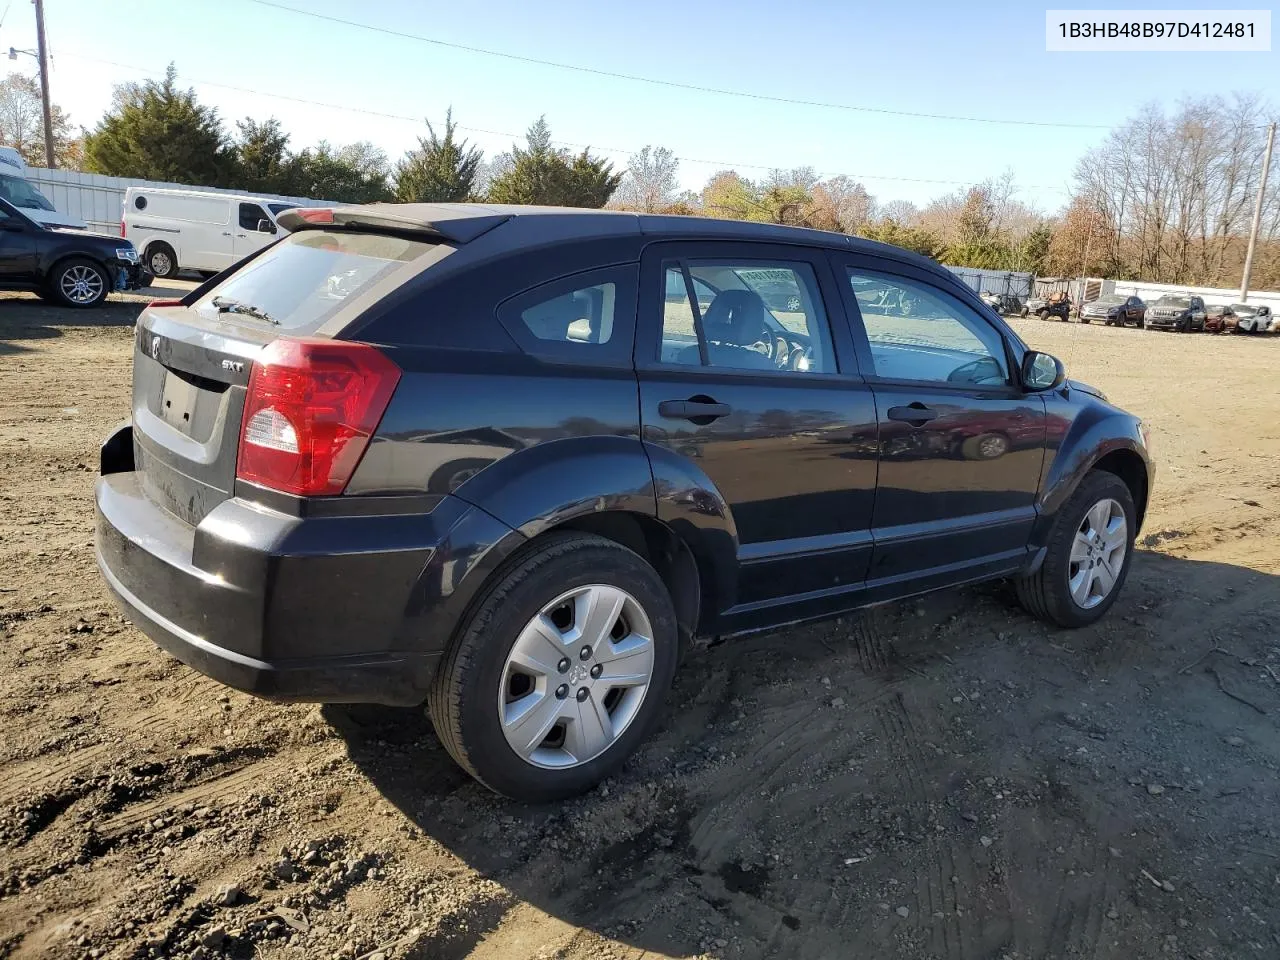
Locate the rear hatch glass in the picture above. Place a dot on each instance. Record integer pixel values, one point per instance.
(305, 278)
(192, 362)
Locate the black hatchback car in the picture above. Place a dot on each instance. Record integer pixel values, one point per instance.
(508, 460)
(73, 268)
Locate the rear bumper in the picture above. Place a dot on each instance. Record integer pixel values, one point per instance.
(337, 609)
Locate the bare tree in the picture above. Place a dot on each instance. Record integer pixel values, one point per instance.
(650, 183)
(22, 124)
(1176, 190)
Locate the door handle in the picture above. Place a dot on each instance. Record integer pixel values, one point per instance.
(695, 409)
(226, 233)
(916, 414)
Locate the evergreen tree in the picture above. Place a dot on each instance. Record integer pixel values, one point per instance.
(440, 170)
(262, 154)
(158, 132)
(541, 174)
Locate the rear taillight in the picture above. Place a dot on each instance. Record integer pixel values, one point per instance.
(311, 408)
(165, 303)
(122, 227)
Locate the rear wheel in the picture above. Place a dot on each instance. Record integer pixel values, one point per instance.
(560, 671)
(79, 282)
(1043, 314)
(1087, 556)
(161, 260)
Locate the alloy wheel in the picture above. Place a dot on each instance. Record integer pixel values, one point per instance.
(576, 676)
(1097, 553)
(81, 284)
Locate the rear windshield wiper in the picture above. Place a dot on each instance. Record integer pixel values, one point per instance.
(227, 305)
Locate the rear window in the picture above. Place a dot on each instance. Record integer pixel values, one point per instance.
(305, 278)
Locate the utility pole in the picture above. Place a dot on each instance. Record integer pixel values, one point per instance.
(43, 56)
(1257, 214)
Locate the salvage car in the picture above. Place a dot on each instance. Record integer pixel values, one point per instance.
(1182, 312)
(1219, 318)
(297, 508)
(69, 267)
(1248, 318)
(1115, 309)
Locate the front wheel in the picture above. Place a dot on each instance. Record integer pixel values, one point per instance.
(560, 671)
(1043, 314)
(79, 282)
(1087, 555)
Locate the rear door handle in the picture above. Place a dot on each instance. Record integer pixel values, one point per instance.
(916, 414)
(695, 410)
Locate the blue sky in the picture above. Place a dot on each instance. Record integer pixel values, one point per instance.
(976, 59)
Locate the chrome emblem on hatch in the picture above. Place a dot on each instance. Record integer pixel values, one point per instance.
(235, 366)
(155, 348)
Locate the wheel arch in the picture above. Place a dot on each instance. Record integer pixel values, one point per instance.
(1110, 451)
(1129, 466)
(153, 242)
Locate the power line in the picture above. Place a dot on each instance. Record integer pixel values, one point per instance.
(719, 91)
(721, 164)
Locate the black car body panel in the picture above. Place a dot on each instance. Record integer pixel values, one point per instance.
(30, 252)
(805, 494)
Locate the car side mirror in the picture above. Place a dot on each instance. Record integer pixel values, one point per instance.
(266, 226)
(1040, 371)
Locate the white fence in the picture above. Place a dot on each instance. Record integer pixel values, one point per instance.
(99, 200)
(1150, 292)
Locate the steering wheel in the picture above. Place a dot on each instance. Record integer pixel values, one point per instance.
(974, 372)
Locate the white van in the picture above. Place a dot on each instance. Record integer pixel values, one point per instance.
(191, 230)
(22, 193)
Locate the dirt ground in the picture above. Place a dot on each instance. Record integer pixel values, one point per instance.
(940, 779)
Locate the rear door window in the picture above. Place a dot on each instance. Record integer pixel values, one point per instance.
(307, 277)
(751, 315)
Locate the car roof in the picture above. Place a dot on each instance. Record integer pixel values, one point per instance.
(463, 222)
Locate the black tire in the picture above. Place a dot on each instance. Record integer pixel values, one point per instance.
(1042, 314)
(1023, 312)
(80, 283)
(161, 260)
(461, 702)
(1046, 594)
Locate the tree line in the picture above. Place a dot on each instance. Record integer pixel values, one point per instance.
(1165, 197)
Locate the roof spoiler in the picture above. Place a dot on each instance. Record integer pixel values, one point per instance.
(445, 223)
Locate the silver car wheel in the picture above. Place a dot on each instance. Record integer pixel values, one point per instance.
(1097, 554)
(576, 676)
(161, 265)
(81, 284)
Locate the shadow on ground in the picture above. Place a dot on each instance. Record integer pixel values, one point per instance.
(944, 777)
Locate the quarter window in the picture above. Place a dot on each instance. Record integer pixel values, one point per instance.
(586, 318)
(745, 315)
(584, 315)
(917, 332)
